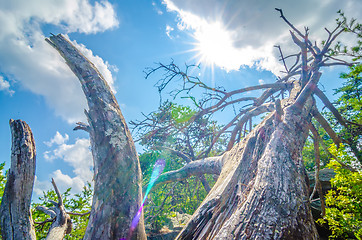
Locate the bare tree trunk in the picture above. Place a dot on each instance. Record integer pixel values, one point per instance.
(117, 174)
(15, 216)
(261, 192)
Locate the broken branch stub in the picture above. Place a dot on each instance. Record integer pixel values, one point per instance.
(62, 223)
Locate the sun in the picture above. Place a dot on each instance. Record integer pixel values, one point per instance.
(214, 44)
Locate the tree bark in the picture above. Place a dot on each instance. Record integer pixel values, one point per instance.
(15, 216)
(261, 192)
(117, 174)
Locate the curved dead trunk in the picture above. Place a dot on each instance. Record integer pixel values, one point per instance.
(261, 192)
(15, 216)
(117, 174)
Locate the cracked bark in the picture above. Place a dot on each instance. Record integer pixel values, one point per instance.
(261, 192)
(15, 216)
(117, 174)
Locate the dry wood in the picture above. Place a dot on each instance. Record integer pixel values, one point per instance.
(62, 223)
(15, 216)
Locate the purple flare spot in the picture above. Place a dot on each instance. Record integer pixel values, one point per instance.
(157, 170)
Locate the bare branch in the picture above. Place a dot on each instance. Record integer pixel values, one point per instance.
(290, 25)
(330, 106)
(282, 58)
(219, 105)
(279, 110)
(332, 36)
(335, 64)
(318, 184)
(293, 67)
(177, 152)
(45, 221)
(338, 61)
(60, 199)
(62, 223)
(308, 89)
(79, 214)
(82, 126)
(47, 211)
(268, 107)
(210, 165)
(188, 159)
(326, 126)
(325, 148)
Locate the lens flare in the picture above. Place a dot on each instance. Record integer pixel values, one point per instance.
(157, 170)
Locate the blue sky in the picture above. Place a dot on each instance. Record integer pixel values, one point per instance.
(233, 41)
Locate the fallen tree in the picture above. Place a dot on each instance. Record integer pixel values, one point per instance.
(261, 191)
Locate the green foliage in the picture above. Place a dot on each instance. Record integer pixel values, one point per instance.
(79, 203)
(181, 114)
(2, 184)
(163, 202)
(173, 126)
(2, 180)
(308, 150)
(308, 155)
(176, 135)
(349, 104)
(350, 101)
(350, 26)
(344, 203)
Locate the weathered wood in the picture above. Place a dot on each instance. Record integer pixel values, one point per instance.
(62, 224)
(261, 192)
(15, 216)
(117, 174)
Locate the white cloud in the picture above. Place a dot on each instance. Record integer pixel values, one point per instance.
(77, 155)
(26, 58)
(5, 86)
(255, 27)
(157, 9)
(103, 66)
(169, 29)
(57, 139)
(40, 186)
(63, 182)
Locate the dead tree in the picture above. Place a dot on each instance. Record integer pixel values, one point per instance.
(15, 216)
(61, 222)
(167, 130)
(261, 192)
(117, 174)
